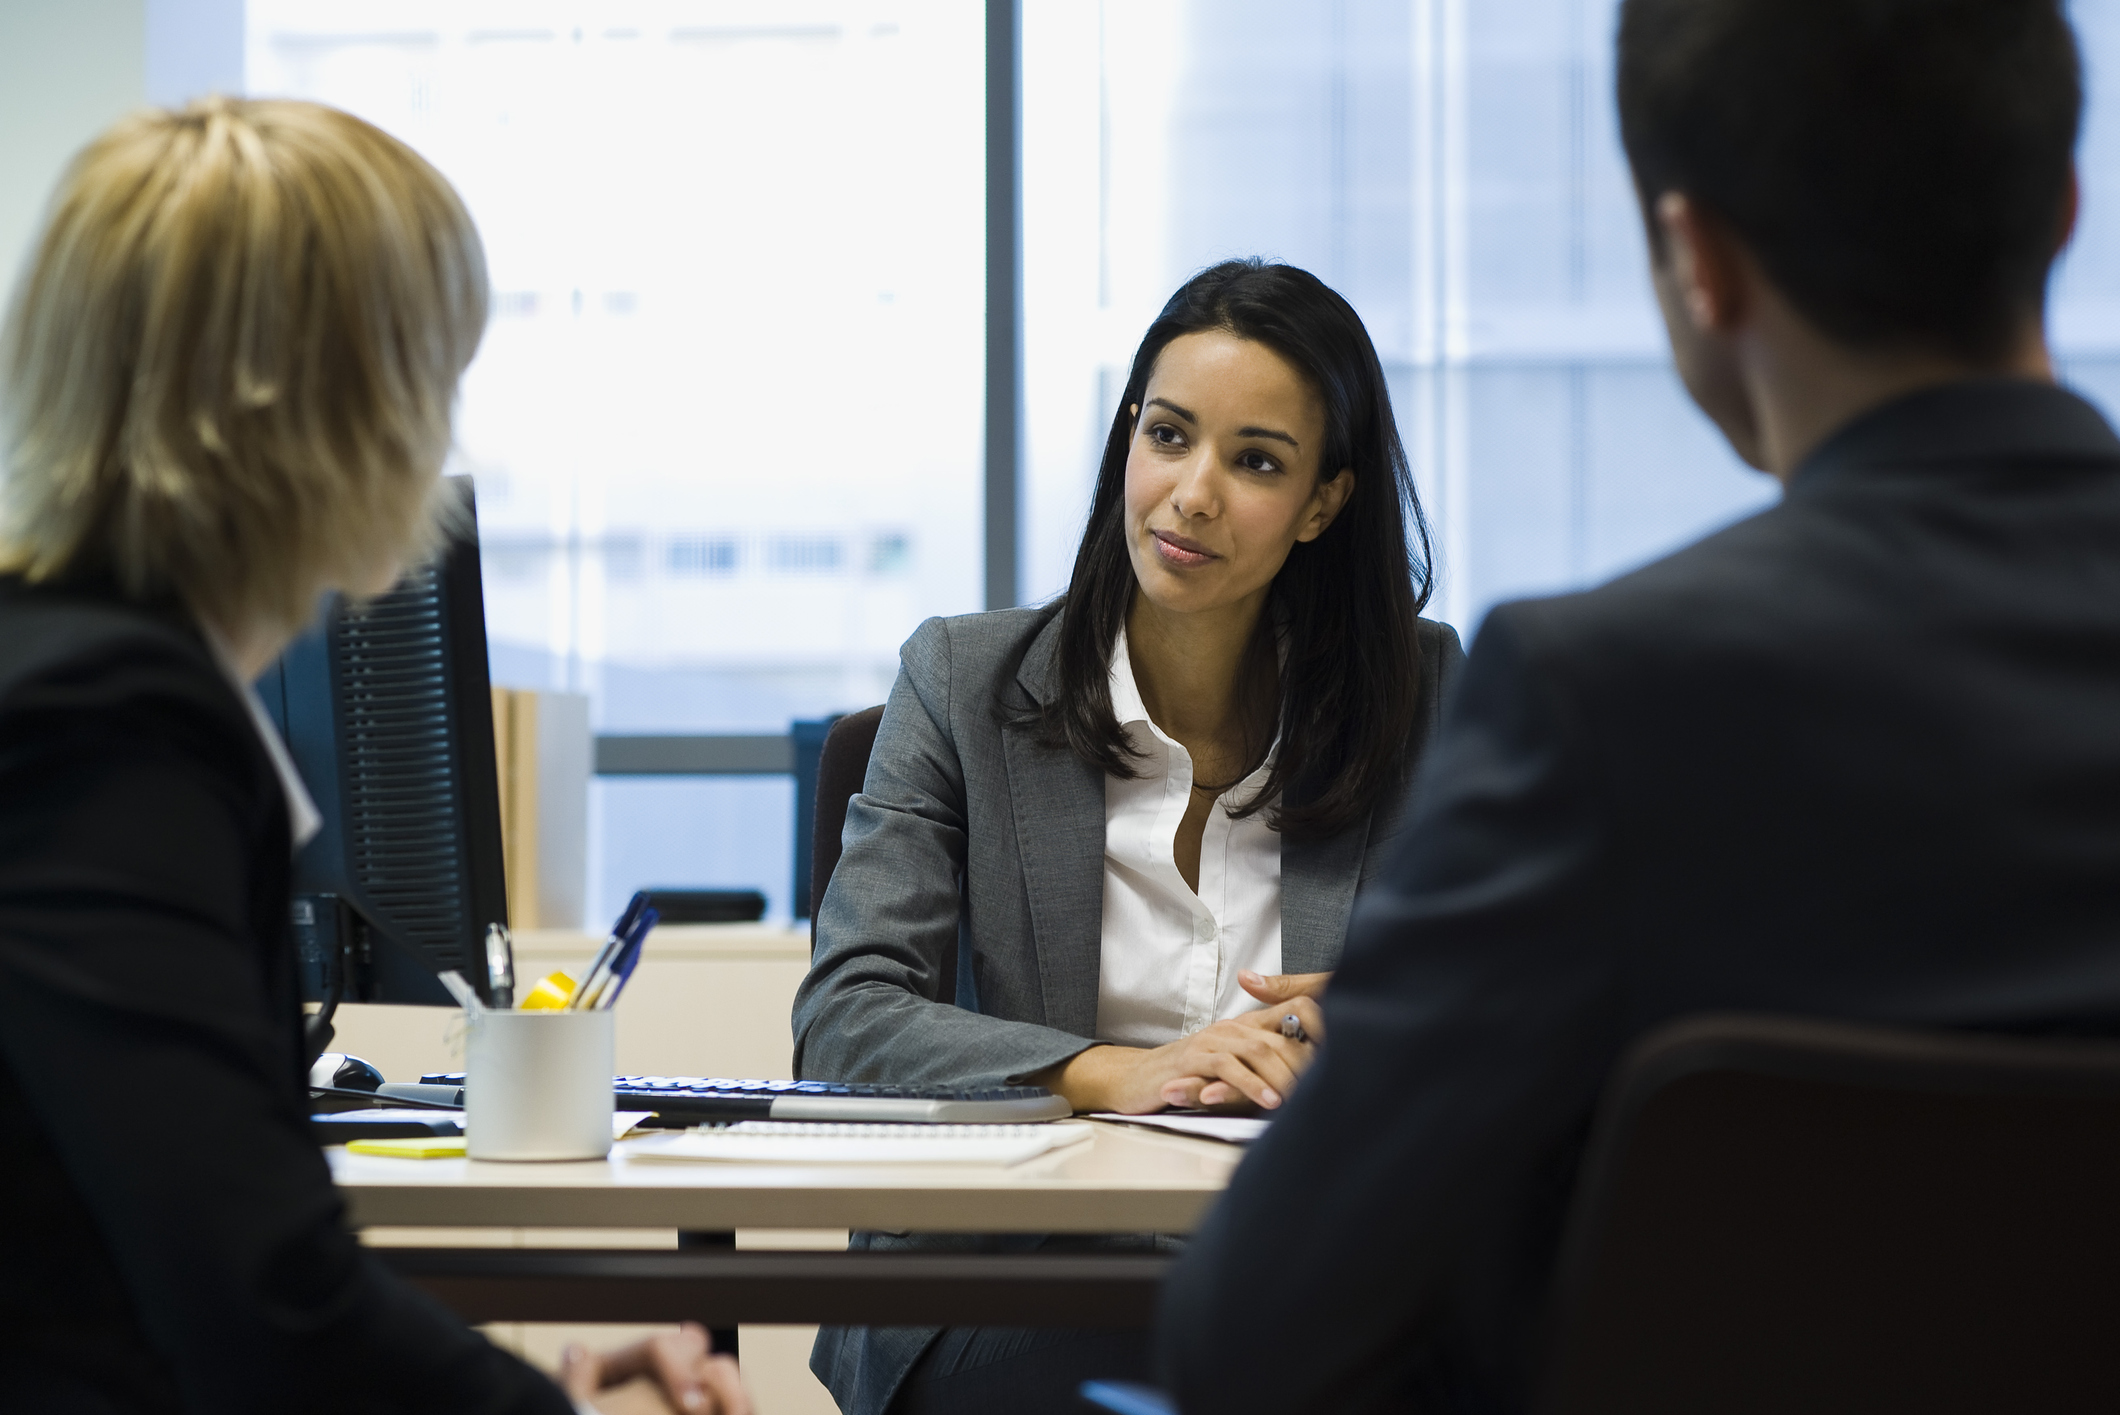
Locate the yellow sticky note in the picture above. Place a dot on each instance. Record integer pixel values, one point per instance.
(412, 1147)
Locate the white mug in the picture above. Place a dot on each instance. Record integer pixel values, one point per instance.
(537, 1085)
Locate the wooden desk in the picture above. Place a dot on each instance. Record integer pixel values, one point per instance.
(1123, 1180)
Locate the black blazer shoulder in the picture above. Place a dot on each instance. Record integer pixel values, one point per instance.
(84, 660)
(1852, 757)
(192, 1255)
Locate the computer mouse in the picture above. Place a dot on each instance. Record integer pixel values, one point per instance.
(342, 1072)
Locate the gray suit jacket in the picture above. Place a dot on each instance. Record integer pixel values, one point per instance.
(970, 832)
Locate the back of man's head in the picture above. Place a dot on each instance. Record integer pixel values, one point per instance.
(1900, 168)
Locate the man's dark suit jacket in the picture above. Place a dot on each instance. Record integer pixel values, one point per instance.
(1857, 756)
(172, 1240)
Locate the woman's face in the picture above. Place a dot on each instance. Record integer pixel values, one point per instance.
(1222, 473)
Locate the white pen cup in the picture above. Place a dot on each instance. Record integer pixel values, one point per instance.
(537, 1085)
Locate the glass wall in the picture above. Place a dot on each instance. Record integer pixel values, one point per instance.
(1454, 169)
(2086, 301)
(726, 421)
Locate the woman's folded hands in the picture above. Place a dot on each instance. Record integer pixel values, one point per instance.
(1243, 1061)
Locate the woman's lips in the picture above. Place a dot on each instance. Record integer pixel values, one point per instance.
(1177, 550)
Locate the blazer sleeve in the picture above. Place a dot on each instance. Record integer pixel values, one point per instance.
(1383, 1245)
(129, 968)
(870, 1008)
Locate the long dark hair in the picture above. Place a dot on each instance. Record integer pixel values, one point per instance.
(1348, 600)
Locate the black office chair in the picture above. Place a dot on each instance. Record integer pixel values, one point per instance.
(841, 768)
(1781, 1215)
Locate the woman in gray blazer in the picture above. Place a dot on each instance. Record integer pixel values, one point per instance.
(1109, 844)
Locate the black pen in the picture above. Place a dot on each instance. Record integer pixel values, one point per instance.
(500, 966)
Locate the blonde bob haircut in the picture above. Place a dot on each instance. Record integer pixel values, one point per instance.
(228, 371)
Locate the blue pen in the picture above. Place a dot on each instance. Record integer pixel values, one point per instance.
(600, 967)
(629, 958)
(607, 966)
(635, 907)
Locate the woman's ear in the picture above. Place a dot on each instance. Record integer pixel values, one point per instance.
(1326, 503)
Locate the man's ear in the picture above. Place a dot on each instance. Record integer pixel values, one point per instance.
(1326, 504)
(1706, 265)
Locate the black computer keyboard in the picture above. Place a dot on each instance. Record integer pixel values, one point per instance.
(689, 1100)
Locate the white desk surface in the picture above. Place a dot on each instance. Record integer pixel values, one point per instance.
(1124, 1180)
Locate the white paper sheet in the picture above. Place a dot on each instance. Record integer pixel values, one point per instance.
(1235, 1129)
(826, 1142)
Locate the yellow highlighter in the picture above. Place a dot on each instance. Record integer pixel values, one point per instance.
(552, 993)
(412, 1147)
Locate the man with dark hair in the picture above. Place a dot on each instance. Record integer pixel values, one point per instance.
(1855, 757)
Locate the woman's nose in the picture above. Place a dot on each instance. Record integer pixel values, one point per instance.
(1197, 492)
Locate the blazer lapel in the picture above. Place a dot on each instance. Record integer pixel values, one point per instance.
(1318, 881)
(1057, 800)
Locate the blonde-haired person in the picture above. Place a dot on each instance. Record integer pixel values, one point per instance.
(226, 381)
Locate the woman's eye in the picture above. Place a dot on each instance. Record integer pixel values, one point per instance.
(1164, 435)
(1258, 462)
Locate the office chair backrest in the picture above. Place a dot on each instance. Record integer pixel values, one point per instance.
(1782, 1215)
(841, 769)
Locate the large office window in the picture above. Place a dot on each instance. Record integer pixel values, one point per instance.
(726, 422)
(2086, 301)
(1453, 167)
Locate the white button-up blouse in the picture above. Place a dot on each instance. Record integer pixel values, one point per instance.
(1170, 956)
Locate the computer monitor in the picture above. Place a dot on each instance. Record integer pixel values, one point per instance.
(388, 714)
